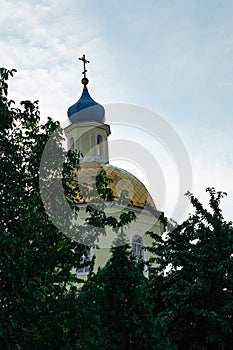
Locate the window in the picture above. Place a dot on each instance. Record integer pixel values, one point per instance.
(71, 144)
(99, 145)
(85, 259)
(137, 246)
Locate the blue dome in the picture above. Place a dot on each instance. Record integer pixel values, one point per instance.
(86, 109)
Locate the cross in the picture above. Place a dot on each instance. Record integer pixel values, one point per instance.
(84, 64)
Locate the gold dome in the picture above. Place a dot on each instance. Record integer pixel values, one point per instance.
(125, 187)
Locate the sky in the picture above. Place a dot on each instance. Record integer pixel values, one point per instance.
(171, 57)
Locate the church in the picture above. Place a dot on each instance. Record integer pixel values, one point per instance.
(87, 133)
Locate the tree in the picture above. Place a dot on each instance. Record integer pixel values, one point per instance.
(115, 306)
(192, 281)
(38, 293)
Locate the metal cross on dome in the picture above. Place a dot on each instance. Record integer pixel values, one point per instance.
(83, 58)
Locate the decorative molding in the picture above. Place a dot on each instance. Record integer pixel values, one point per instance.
(73, 126)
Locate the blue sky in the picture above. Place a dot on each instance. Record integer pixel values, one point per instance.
(173, 57)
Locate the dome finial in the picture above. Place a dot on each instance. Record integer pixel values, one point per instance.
(86, 109)
(84, 80)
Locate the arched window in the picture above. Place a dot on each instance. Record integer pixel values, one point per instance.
(137, 246)
(85, 258)
(71, 144)
(99, 145)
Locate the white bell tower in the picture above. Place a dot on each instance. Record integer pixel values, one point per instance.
(87, 132)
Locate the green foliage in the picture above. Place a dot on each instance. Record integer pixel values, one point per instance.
(36, 259)
(115, 310)
(186, 303)
(192, 283)
(38, 296)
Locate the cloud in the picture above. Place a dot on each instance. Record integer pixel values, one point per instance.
(43, 40)
(175, 57)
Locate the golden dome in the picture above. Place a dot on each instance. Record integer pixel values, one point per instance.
(125, 187)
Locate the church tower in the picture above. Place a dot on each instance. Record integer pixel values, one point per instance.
(87, 132)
